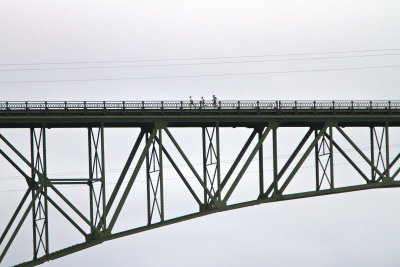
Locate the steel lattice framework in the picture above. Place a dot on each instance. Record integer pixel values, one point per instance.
(325, 120)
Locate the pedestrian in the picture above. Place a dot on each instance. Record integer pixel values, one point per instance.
(191, 102)
(214, 100)
(203, 102)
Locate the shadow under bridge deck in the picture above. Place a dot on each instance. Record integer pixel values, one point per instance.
(61, 114)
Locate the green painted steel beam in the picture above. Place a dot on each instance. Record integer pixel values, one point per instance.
(21, 221)
(275, 159)
(147, 160)
(14, 216)
(20, 156)
(359, 151)
(238, 158)
(189, 164)
(27, 178)
(302, 159)
(248, 161)
(352, 163)
(331, 157)
(289, 161)
(396, 173)
(186, 119)
(261, 166)
(123, 174)
(103, 177)
(55, 205)
(387, 169)
(75, 209)
(91, 215)
(85, 245)
(171, 160)
(219, 189)
(15, 150)
(131, 180)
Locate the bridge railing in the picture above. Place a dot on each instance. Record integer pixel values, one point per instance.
(171, 105)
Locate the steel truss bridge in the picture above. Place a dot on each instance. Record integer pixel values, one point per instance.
(325, 121)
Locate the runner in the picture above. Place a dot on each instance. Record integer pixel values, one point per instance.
(191, 103)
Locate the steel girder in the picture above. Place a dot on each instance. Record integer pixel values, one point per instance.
(154, 179)
(216, 187)
(40, 205)
(96, 182)
(211, 163)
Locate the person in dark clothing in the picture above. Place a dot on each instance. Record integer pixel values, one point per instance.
(191, 102)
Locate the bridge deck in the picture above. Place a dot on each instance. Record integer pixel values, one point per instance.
(185, 114)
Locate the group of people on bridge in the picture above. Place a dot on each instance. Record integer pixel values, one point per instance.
(203, 102)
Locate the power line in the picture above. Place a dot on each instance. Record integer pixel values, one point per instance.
(196, 63)
(199, 76)
(199, 58)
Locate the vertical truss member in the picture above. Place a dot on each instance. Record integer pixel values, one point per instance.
(96, 181)
(40, 217)
(154, 181)
(324, 161)
(379, 159)
(211, 163)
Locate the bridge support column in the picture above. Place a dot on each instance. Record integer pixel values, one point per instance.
(380, 159)
(39, 193)
(261, 164)
(211, 163)
(324, 161)
(96, 181)
(154, 179)
(275, 159)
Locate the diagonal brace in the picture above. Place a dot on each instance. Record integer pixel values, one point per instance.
(180, 173)
(302, 159)
(359, 151)
(15, 150)
(123, 174)
(72, 206)
(21, 203)
(131, 180)
(41, 176)
(390, 166)
(248, 161)
(348, 159)
(20, 223)
(189, 164)
(27, 178)
(396, 173)
(66, 215)
(290, 160)
(239, 157)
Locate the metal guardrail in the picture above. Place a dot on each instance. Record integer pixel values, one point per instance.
(187, 105)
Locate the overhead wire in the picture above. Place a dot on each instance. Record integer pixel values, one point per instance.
(196, 63)
(199, 75)
(199, 58)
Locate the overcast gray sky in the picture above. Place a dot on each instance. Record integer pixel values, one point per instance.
(109, 42)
